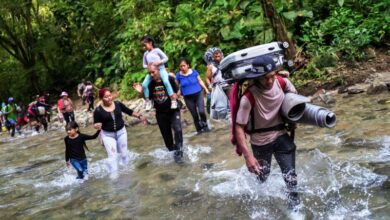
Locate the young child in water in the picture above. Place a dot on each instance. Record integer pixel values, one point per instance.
(74, 149)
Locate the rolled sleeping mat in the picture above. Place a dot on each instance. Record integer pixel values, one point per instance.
(293, 106)
(319, 116)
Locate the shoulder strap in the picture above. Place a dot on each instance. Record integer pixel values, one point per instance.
(282, 82)
(250, 97)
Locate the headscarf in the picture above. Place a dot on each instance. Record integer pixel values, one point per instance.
(208, 55)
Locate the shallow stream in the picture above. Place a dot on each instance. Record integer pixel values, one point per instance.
(342, 172)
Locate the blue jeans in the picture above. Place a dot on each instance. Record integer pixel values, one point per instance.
(81, 166)
(165, 79)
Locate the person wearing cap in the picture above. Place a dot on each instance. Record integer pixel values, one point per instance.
(10, 115)
(108, 118)
(270, 136)
(65, 107)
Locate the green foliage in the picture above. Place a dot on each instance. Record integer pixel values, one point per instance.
(127, 83)
(348, 29)
(60, 42)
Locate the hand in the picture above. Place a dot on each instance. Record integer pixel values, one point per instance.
(97, 126)
(284, 73)
(144, 120)
(137, 87)
(252, 164)
(67, 164)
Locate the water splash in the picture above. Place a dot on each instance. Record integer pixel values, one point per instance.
(322, 182)
(163, 156)
(194, 152)
(96, 170)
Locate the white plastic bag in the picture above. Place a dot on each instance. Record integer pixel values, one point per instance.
(219, 104)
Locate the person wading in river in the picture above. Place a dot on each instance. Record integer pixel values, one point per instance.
(269, 135)
(108, 117)
(168, 119)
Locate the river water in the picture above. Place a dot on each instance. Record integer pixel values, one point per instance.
(343, 174)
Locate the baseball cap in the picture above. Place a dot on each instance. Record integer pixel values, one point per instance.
(261, 66)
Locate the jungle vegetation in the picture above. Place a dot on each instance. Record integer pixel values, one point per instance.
(50, 45)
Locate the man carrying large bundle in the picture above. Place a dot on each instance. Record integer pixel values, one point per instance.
(259, 107)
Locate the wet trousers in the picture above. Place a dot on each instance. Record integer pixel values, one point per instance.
(81, 166)
(283, 149)
(195, 104)
(116, 146)
(68, 116)
(168, 122)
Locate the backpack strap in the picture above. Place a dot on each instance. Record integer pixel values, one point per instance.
(282, 82)
(249, 95)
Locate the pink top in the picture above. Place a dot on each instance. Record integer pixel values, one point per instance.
(266, 112)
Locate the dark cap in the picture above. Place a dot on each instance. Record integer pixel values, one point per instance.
(261, 66)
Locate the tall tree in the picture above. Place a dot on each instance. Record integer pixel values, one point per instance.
(17, 35)
(279, 26)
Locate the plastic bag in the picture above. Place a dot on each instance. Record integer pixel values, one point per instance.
(219, 104)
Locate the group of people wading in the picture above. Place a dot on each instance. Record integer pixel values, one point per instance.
(259, 105)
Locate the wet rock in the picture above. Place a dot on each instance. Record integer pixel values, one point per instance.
(187, 200)
(384, 170)
(376, 87)
(342, 89)
(207, 166)
(143, 164)
(167, 177)
(359, 143)
(370, 52)
(181, 192)
(358, 88)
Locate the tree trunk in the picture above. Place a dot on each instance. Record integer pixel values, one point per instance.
(279, 27)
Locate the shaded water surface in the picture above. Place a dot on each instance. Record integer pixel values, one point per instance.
(343, 174)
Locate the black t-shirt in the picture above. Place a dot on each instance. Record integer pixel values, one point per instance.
(159, 94)
(111, 122)
(74, 148)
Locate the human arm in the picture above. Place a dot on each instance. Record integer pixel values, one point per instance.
(289, 87)
(133, 113)
(90, 137)
(209, 76)
(138, 88)
(201, 83)
(125, 109)
(67, 154)
(251, 163)
(162, 55)
(71, 104)
(242, 119)
(97, 119)
(144, 62)
(78, 91)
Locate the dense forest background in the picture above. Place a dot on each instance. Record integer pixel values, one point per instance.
(50, 45)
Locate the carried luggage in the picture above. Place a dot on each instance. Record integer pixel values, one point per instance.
(238, 64)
